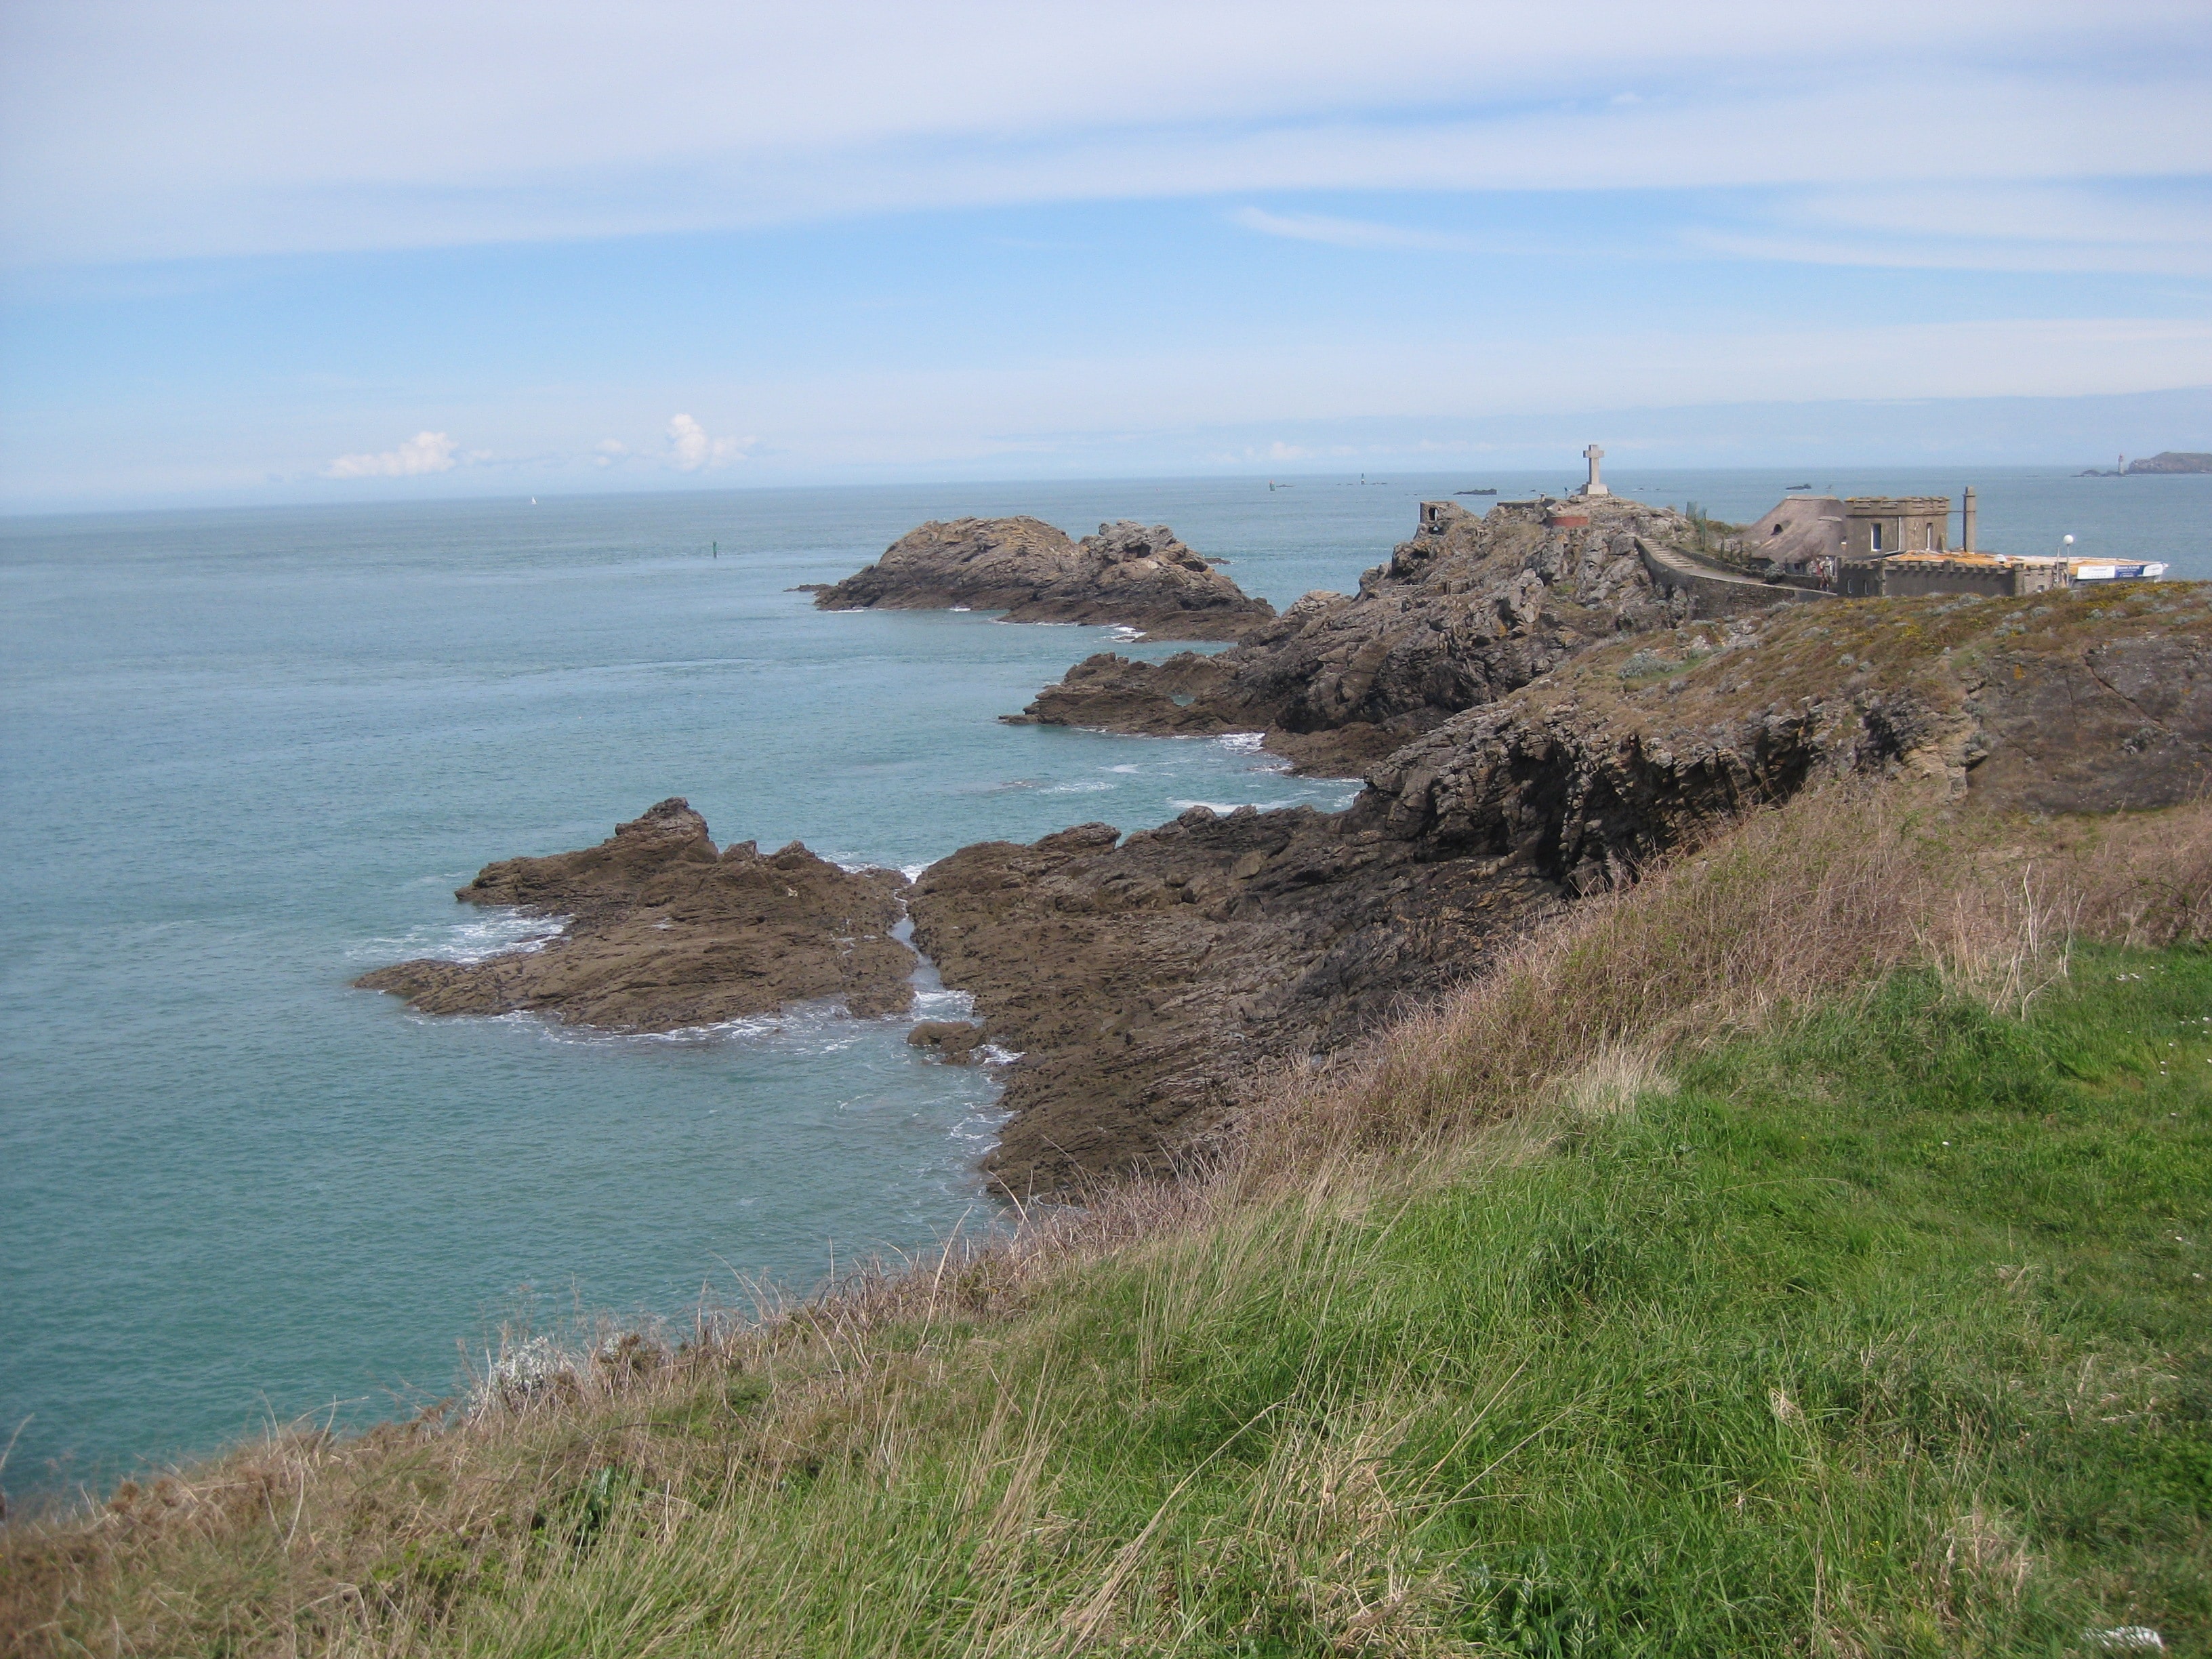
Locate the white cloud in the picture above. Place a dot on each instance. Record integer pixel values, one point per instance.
(690, 448)
(426, 452)
(1982, 226)
(1348, 232)
(608, 450)
(162, 137)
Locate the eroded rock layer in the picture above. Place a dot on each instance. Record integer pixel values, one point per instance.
(667, 933)
(1129, 575)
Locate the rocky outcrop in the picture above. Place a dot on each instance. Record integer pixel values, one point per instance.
(2174, 460)
(665, 933)
(1146, 979)
(1129, 574)
(1466, 611)
(2041, 704)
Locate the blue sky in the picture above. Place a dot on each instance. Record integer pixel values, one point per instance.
(266, 253)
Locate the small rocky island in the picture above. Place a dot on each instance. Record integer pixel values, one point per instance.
(1129, 575)
(665, 933)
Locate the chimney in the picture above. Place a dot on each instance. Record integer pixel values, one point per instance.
(1967, 528)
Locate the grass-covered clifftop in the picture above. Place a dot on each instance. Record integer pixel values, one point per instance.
(1802, 1252)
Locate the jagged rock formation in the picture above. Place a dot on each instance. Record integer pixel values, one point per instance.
(1466, 611)
(2174, 460)
(665, 933)
(1145, 980)
(1128, 575)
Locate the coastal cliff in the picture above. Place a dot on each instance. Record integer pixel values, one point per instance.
(1878, 1125)
(664, 933)
(1148, 979)
(1129, 575)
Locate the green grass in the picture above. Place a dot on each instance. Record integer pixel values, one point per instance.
(1884, 1332)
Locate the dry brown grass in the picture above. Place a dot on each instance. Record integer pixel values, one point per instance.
(1817, 900)
(309, 1542)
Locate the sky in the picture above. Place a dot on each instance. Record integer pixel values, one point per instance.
(258, 251)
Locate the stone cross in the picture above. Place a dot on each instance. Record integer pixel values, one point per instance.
(1597, 485)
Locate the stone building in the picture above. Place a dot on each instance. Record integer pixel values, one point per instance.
(1889, 546)
(1806, 535)
(1908, 575)
(1877, 525)
(1802, 537)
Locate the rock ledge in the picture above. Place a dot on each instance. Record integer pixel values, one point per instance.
(665, 933)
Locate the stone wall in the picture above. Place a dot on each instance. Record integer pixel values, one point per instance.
(1904, 579)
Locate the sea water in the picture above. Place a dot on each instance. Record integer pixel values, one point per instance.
(249, 755)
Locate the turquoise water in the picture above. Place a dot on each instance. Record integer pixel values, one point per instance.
(249, 754)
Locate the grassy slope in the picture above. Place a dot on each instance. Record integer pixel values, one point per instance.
(1564, 1326)
(1882, 1332)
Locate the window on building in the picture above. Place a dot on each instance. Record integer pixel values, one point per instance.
(1876, 529)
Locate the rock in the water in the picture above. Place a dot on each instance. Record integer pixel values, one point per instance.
(952, 1041)
(1464, 612)
(1129, 574)
(665, 933)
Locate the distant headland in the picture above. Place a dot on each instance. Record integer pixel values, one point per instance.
(2166, 461)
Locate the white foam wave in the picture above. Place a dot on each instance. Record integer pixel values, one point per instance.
(490, 933)
(1125, 769)
(1226, 807)
(978, 1132)
(1088, 787)
(859, 867)
(994, 1055)
(1243, 743)
(913, 871)
(940, 1003)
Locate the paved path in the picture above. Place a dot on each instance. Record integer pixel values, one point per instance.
(1671, 570)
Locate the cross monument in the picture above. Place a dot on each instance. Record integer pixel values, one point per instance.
(1597, 485)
